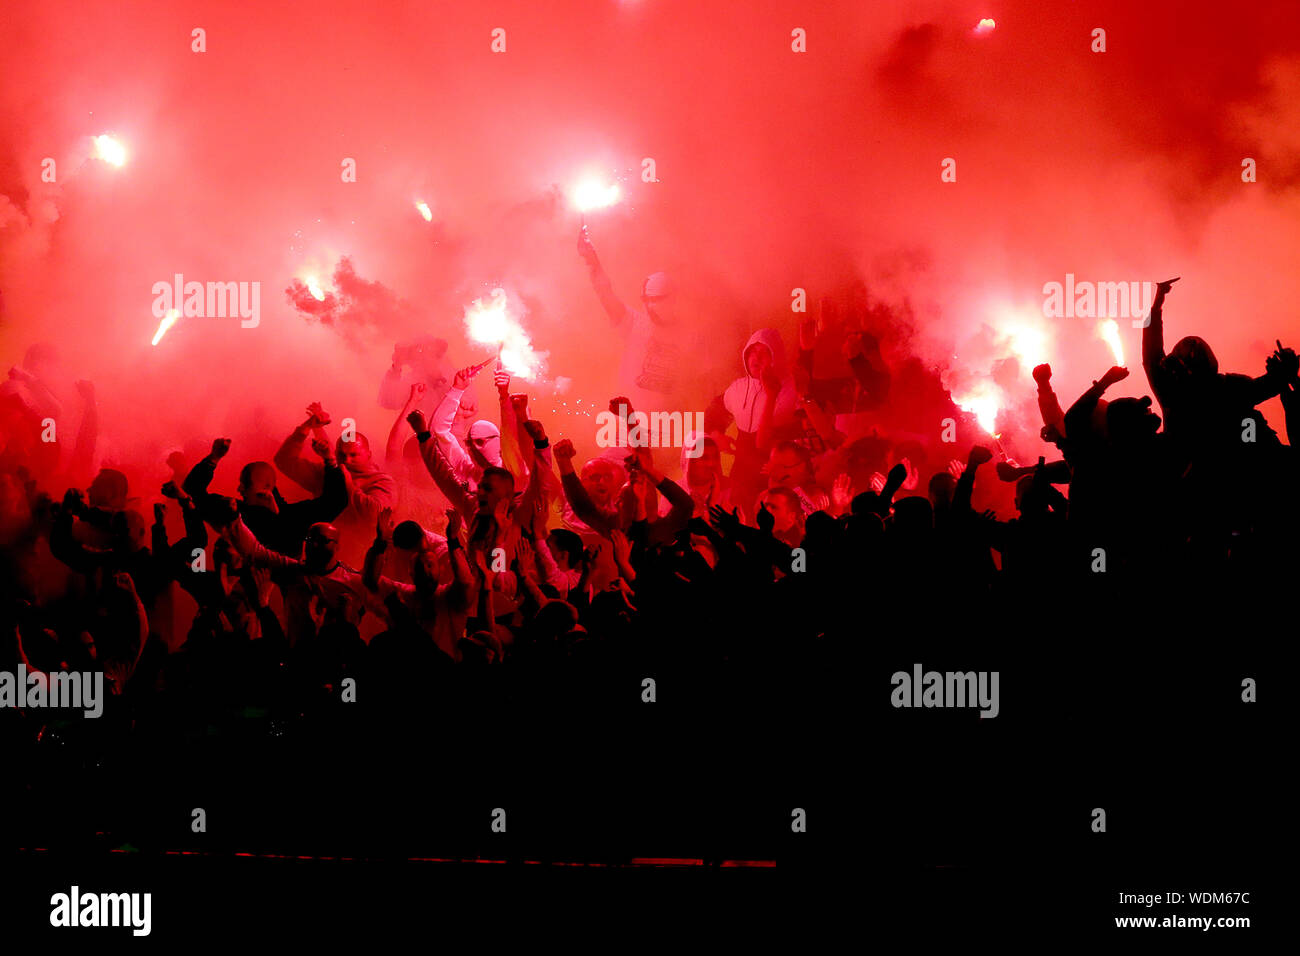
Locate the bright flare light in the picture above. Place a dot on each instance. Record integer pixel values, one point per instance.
(109, 150)
(167, 322)
(1028, 344)
(1109, 332)
(314, 288)
(983, 404)
(590, 194)
(490, 323)
(424, 209)
(985, 26)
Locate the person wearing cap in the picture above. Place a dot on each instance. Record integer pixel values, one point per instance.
(654, 358)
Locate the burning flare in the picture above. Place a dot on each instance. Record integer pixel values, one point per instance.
(490, 323)
(1109, 332)
(590, 194)
(424, 209)
(314, 288)
(986, 25)
(167, 322)
(109, 150)
(1028, 344)
(983, 404)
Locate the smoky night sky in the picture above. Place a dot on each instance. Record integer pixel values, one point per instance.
(777, 170)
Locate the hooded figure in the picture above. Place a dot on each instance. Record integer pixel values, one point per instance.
(744, 397)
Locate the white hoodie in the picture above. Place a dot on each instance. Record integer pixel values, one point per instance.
(743, 397)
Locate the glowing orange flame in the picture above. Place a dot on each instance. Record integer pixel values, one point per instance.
(314, 288)
(167, 322)
(490, 323)
(1109, 332)
(590, 194)
(109, 150)
(425, 211)
(1028, 344)
(985, 25)
(984, 405)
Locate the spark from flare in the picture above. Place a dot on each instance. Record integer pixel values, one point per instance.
(1109, 332)
(424, 209)
(167, 322)
(109, 150)
(314, 288)
(490, 323)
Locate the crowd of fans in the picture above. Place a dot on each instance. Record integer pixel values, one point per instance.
(635, 559)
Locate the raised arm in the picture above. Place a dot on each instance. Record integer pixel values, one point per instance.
(1078, 420)
(374, 566)
(1153, 335)
(1049, 406)
(401, 429)
(439, 468)
(961, 496)
(514, 410)
(576, 494)
(290, 459)
(613, 305)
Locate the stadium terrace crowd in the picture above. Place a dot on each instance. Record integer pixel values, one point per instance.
(776, 537)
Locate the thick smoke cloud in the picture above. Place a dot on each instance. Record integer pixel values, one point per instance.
(776, 170)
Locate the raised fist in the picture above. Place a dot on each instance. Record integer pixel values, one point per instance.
(219, 448)
(564, 450)
(319, 416)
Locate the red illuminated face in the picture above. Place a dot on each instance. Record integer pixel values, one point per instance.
(259, 488)
(785, 514)
(599, 479)
(758, 360)
(353, 455)
(662, 309)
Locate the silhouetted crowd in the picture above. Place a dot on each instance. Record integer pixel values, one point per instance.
(637, 561)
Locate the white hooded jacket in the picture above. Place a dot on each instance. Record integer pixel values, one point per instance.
(743, 397)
